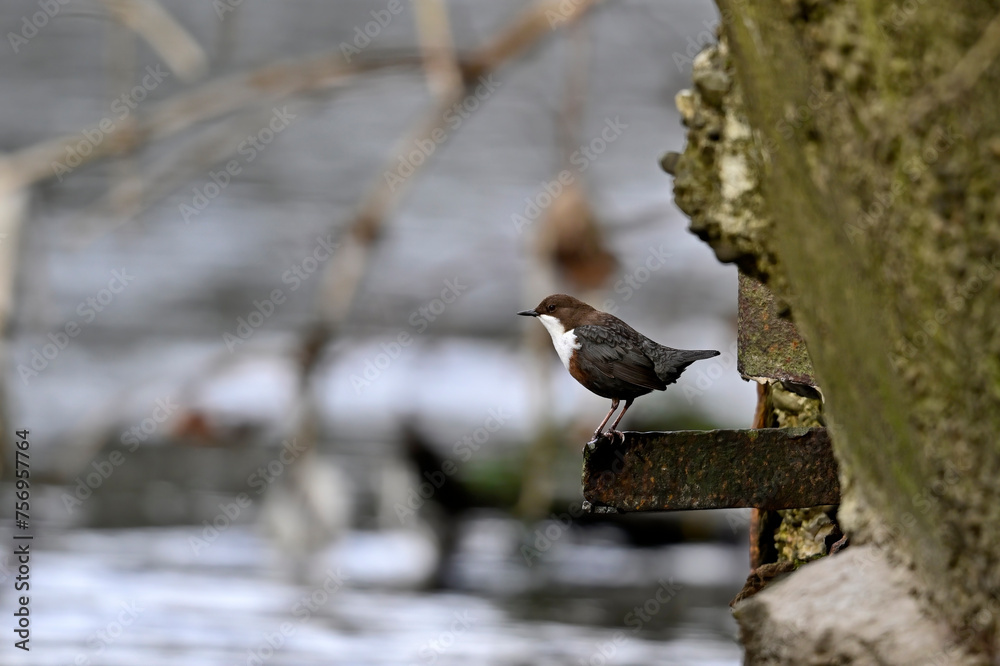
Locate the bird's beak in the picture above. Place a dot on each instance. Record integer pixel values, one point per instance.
(528, 313)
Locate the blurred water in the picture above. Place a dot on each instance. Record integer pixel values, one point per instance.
(127, 597)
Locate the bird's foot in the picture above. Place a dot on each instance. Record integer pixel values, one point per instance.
(598, 436)
(611, 435)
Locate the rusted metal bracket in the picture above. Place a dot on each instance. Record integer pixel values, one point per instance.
(769, 345)
(768, 468)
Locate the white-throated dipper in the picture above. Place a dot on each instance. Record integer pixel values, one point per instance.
(609, 357)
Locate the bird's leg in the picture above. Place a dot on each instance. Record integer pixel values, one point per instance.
(597, 433)
(614, 426)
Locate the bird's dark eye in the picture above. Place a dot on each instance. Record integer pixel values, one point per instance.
(552, 308)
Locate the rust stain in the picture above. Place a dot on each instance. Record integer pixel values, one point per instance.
(769, 345)
(770, 468)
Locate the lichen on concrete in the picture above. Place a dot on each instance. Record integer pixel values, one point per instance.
(875, 217)
(716, 178)
(793, 410)
(803, 533)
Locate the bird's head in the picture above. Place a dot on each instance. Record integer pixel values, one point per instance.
(568, 310)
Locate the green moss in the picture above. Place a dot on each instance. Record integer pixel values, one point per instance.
(871, 220)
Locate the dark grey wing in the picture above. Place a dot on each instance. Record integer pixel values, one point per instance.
(669, 363)
(607, 350)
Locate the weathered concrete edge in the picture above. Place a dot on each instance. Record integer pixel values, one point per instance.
(800, 620)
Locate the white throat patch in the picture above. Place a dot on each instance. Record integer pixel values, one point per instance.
(564, 341)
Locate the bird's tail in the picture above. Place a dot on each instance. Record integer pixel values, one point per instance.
(669, 363)
(688, 356)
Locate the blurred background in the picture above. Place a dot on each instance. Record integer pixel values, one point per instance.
(259, 264)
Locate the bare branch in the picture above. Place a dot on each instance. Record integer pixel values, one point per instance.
(526, 31)
(341, 279)
(262, 86)
(168, 38)
(434, 33)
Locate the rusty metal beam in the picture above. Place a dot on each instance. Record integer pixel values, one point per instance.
(769, 345)
(768, 468)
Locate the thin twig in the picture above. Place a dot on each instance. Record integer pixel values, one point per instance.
(196, 155)
(434, 35)
(168, 38)
(341, 282)
(526, 31)
(265, 85)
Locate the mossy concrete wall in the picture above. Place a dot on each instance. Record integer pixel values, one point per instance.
(849, 153)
